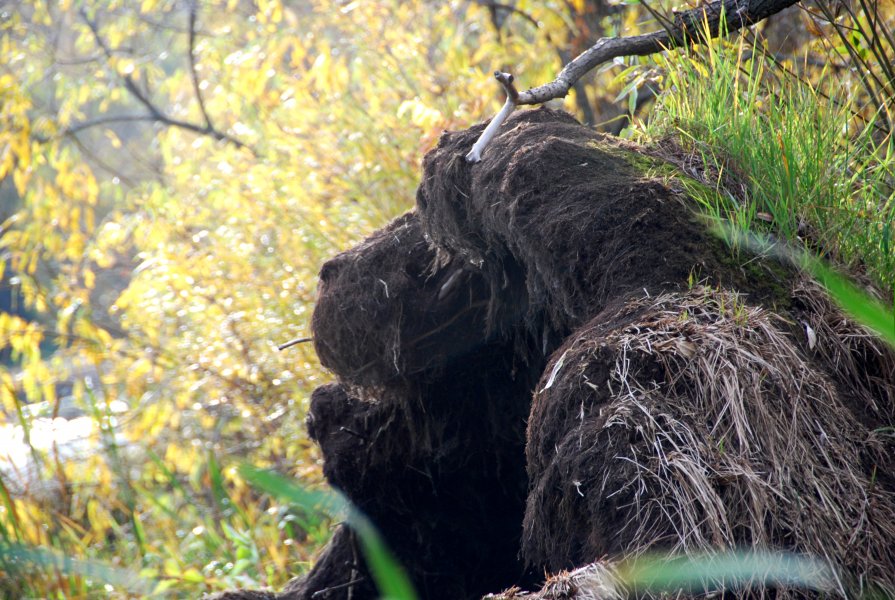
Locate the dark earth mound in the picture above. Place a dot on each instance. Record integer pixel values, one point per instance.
(681, 406)
(561, 220)
(384, 313)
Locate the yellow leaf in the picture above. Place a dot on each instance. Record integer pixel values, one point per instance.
(193, 575)
(172, 569)
(89, 279)
(6, 160)
(20, 178)
(91, 188)
(7, 393)
(113, 139)
(114, 38)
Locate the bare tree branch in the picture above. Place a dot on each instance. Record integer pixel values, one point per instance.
(78, 127)
(661, 19)
(192, 54)
(156, 113)
(510, 9)
(102, 164)
(688, 27)
(564, 56)
(294, 342)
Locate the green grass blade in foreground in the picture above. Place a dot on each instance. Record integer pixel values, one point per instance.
(658, 573)
(329, 503)
(390, 577)
(19, 557)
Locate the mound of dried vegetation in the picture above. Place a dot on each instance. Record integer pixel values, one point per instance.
(696, 421)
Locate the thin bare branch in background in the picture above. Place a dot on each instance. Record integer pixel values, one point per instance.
(155, 113)
(192, 55)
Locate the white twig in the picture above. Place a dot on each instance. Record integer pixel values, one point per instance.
(506, 80)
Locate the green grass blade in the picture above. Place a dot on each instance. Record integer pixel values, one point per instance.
(727, 570)
(13, 515)
(221, 497)
(26, 558)
(865, 309)
(390, 577)
(329, 503)
(861, 306)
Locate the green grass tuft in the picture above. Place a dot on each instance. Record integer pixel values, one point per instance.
(785, 158)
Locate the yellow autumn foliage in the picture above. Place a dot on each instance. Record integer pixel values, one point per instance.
(164, 210)
(163, 230)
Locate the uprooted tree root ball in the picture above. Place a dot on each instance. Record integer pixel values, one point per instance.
(671, 397)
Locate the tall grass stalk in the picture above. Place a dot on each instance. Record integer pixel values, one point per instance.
(390, 577)
(781, 157)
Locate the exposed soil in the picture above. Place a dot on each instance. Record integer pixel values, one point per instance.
(670, 396)
(562, 219)
(382, 315)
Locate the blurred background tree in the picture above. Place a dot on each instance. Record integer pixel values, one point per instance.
(172, 175)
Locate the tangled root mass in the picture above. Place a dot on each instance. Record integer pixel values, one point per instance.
(551, 361)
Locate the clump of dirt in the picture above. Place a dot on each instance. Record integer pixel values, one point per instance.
(385, 311)
(425, 432)
(691, 421)
(439, 468)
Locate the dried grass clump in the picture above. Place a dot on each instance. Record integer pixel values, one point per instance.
(695, 422)
(595, 581)
(705, 575)
(859, 361)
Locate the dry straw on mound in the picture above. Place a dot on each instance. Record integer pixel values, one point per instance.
(706, 575)
(698, 423)
(859, 361)
(596, 581)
